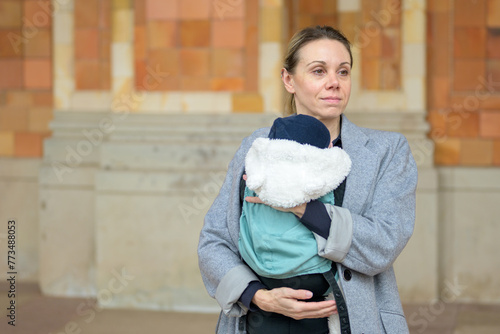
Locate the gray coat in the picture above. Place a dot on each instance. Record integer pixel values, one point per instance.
(366, 236)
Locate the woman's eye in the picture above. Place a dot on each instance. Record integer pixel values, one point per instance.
(344, 72)
(319, 71)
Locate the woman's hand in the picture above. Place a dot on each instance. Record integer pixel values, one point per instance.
(289, 302)
(297, 210)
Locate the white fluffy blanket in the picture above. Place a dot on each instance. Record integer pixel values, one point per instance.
(285, 173)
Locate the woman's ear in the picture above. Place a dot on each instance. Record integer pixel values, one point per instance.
(287, 81)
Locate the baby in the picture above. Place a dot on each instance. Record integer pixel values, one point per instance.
(294, 165)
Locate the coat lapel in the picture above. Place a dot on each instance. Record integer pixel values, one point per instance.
(362, 178)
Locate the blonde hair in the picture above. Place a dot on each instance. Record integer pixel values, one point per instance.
(300, 39)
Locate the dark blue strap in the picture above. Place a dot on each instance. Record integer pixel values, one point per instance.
(345, 327)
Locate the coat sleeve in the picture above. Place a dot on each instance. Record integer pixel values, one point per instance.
(224, 274)
(369, 242)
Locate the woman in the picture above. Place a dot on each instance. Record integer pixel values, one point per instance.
(363, 233)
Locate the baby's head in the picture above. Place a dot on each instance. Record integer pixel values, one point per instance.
(302, 129)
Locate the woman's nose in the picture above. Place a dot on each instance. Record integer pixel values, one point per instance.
(333, 81)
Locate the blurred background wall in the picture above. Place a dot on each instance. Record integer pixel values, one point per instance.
(118, 119)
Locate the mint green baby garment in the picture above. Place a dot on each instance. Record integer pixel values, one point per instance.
(276, 244)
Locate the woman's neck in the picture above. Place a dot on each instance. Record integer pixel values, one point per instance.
(333, 125)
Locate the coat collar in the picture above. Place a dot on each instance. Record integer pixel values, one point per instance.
(364, 166)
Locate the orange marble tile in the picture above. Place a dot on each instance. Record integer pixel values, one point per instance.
(195, 83)
(12, 73)
(105, 44)
(195, 33)
(440, 35)
(40, 45)
(42, 99)
(493, 71)
(228, 84)
(140, 42)
(370, 73)
(330, 7)
(18, 98)
(469, 42)
(251, 71)
(490, 124)
(166, 60)
(493, 14)
(491, 102)
(195, 62)
(476, 152)
(227, 62)
(252, 11)
(251, 60)
(496, 153)
(36, 12)
(140, 12)
(247, 102)
(141, 75)
(390, 75)
(394, 10)
(87, 43)
(304, 21)
(328, 20)
(469, 13)
(170, 83)
(87, 74)
(228, 33)
(467, 74)
(438, 6)
(6, 143)
(367, 8)
(39, 119)
(447, 151)
(150, 78)
(437, 121)
(38, 73)
(348, 24)
(86, 13)
(194, 9)
(162, 9)
(462, 124)
(480, 99)
(13, 119)
(162, 34)
(371, 45)
(11, 43)
(3, 98)
(271, 25)
(105, 75)
(10, 13)
(311, 6)
(105, 13)
(493, 44)
(391, 44)
(228, 9)
(439, 91)
(28, 144)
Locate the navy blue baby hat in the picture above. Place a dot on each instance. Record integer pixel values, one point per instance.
(302, 129)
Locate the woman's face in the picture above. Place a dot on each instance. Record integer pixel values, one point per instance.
(321, 81)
